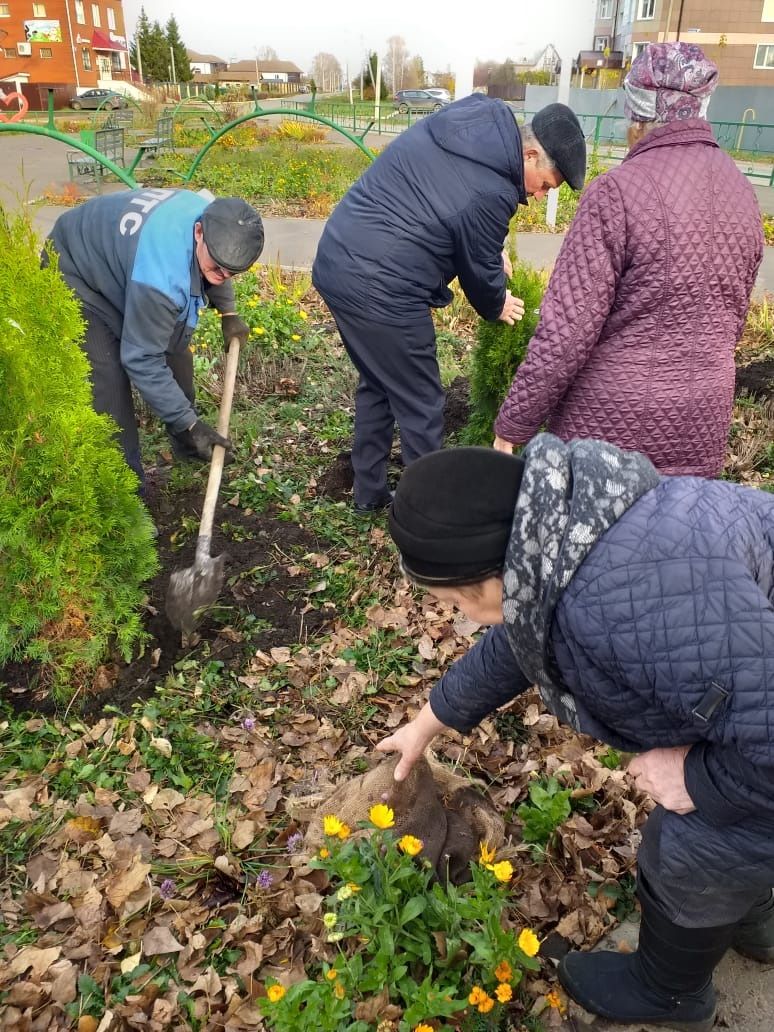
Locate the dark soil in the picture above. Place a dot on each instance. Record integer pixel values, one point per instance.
(257, 587)
(756, 379)
(457, 409)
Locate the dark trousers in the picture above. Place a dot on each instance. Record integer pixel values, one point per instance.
(399, 383)
(111, 388)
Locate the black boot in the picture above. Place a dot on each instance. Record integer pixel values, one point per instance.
(667, 981)
(755, 933)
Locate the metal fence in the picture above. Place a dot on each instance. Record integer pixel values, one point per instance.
(751, 144)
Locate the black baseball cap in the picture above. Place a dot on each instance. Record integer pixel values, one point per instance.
(560, 135)
(233, 233)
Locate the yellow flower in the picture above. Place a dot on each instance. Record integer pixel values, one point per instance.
(503, 871)
(339, 991)
(485, 853)
(503, 971)
(302, 315)
(344, 832)
(410, 845)
(553, 999)
(423, 1028)
(259, 331)
(295, 336)
(503, 992)
(381, 816)
(324, 853)
(331, 975)
(275, 992)
(353, 886)
(477, 994)
(486, 1004)
(344, 893)
(529, 942)
(332, 825)
(329, 919)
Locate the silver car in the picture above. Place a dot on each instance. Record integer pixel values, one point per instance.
(417, 100)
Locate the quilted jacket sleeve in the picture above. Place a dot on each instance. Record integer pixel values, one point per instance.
(724, 787)
(484, 679)
(750, 277)
(577, 303)
(479, 233)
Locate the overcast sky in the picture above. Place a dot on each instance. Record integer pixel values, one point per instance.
(299, 29)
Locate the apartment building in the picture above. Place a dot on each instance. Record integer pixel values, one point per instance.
(69, 44)
(739, 38)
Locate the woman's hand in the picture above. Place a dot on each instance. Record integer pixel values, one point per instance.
(411, 740)
(513, 309)
(661, 773)
(500, 444)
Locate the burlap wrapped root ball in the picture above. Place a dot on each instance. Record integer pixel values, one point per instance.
(444, 810)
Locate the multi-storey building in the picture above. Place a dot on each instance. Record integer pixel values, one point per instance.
(70, 44)
(738, 36)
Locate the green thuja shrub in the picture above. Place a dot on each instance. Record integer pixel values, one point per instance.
(499, 350)
(76, 543)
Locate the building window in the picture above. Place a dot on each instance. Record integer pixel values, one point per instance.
(647, 10)
(111, 18)
(768, 10)
(46, 53)
(95, 15)
(38, 10)
(764, 56)
(637, 49)
(5, 10)
(601, 42)
(605, 10)
(86, 59)
(9, 52)
(80, 14)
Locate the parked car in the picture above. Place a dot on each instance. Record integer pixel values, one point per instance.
(417, 100)
(98, 98)
(438, 91)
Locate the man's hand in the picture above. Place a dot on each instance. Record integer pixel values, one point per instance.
(661, 773)
(234, 326)
(411, 740)
(507, 266)
(500, 444)
(202, 439)
(513, 309)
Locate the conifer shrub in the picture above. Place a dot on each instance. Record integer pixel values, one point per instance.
(499, 350)
(76, 542)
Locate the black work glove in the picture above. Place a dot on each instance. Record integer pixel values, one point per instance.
(234, 326)
(201, 438)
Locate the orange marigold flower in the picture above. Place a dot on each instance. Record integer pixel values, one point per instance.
(528, 942)
(477, 994)
(503, 972)
(424, 1028)
(324, 853)
(344, 832)
(339, 991)
(486, 854)
(332, 975)
(354, 886)
(503, 992)
(486, 1004)
(553, 999)
(410, 845)
(275, 992)
(381, 816)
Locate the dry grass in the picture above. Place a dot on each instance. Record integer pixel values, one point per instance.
(758, 339)
(750, 456)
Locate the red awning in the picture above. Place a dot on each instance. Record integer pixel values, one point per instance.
(103, 41)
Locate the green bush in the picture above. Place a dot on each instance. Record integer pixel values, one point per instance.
(75, 540)
(499, 350)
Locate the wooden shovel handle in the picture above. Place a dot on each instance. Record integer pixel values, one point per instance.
(219, 453)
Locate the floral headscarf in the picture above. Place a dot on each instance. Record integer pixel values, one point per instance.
(669, 81)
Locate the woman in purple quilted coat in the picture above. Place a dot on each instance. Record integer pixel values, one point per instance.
(649, 295)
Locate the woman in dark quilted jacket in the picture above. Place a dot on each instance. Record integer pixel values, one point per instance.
(649, 295)
(643, 609)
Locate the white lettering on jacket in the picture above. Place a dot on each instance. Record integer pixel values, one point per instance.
(146, 201)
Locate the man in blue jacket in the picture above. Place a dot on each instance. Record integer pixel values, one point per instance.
(435, 205)
(143, 264)
(643, 609)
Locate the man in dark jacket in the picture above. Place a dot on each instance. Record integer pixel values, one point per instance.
(143, 264)
(643, 608)
(436, 204)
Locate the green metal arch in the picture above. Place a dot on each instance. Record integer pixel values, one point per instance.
(103, 109)
(259, 112)
(54, 134)
(190, 102)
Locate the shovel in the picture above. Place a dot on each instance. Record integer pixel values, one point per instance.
(197, 587)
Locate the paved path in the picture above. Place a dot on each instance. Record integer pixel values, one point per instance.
(31, 166)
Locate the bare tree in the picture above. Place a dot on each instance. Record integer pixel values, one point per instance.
(414, 77)
(395, 62)
(266, 54)
(326, 72)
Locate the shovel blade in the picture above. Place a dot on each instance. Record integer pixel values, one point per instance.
(194, 589)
